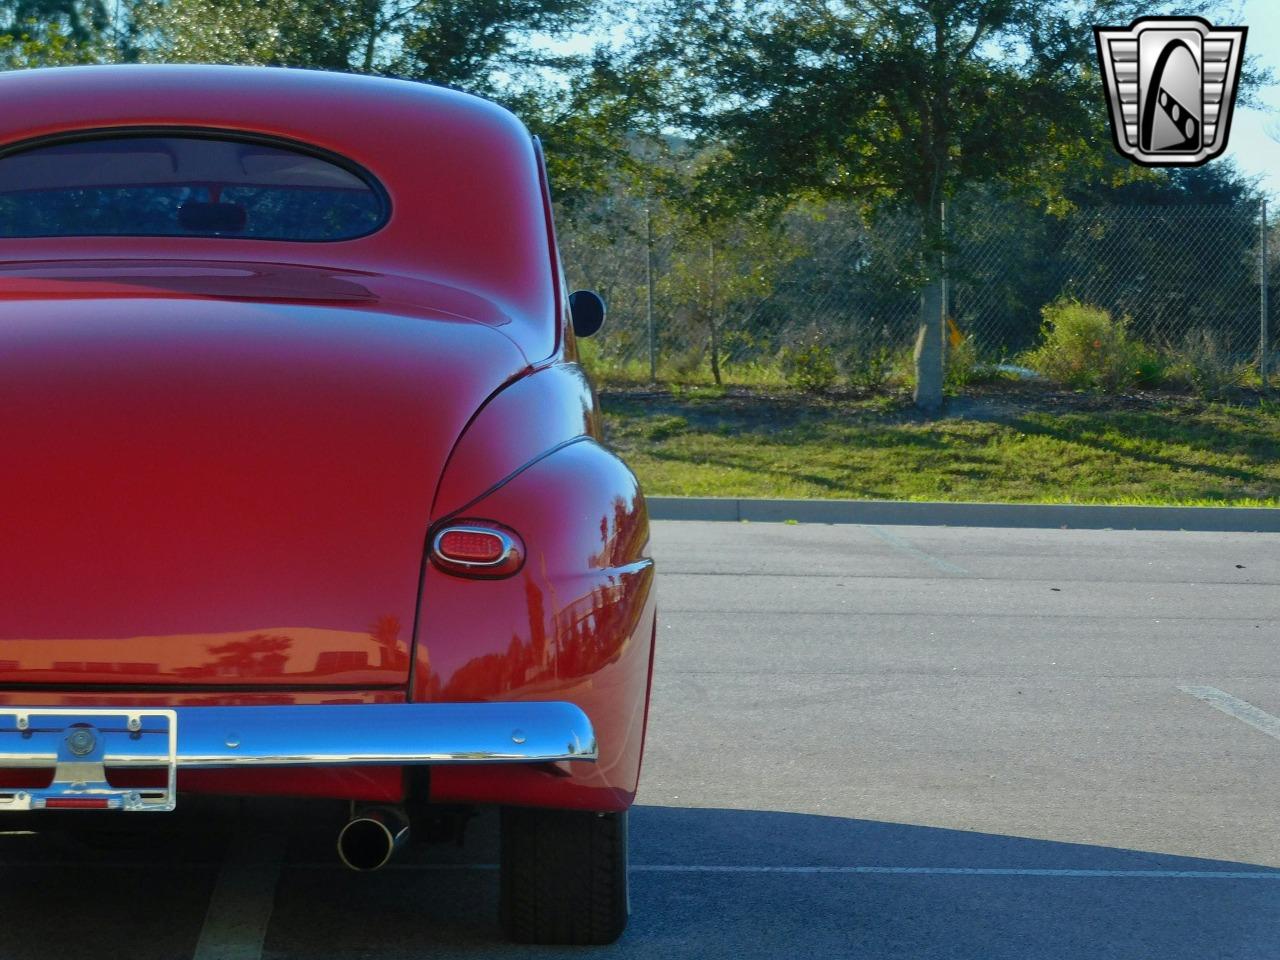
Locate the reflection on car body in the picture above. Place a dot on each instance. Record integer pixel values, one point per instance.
(266, 338)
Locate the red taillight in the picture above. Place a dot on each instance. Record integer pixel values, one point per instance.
(477, 549)
(470, 546)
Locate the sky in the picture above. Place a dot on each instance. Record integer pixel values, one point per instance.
(1254, 150)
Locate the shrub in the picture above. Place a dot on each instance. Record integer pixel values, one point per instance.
(686, 365)
(810, 367)
(608, 368)
(1086, 348)
(1150, 369)
(963, 367)
(869, 366)
(1205, 364)
(664, 428)
(902, 368)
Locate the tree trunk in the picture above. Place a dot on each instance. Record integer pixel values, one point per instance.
(931, 344)
(715, 352)
(711, 316)
(929, 349)
(371, 11)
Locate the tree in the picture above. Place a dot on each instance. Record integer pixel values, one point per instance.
(720, 270)
(1170, 248)
(79, 21)
(47, 33)
(892, 103)
(580, 103)
(472, 44)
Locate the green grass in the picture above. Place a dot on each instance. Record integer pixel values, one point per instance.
(999, 446)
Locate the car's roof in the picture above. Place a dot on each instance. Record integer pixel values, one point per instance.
(461, 172)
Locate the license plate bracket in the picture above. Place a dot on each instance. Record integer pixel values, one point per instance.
(79, 746)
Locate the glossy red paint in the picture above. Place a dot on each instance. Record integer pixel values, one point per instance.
(224, 457)
(550, 407)
(232, 492)
(461, 173)
(576, 623)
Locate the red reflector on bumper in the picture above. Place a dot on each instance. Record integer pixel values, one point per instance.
(76, 803)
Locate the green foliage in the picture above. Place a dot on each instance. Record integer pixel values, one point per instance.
(52, 34)
(903, 374)
(586, 106)
(810, 366)
(676, 370)
(1086, 348)
(898, 102)
(963, 365)
(1009, 257)
(891, 103)
(720, 114)
(868, 366)
(475, 44)
(73, 22)
(718, 271)
(20, 51)
(1204, 363)
(664, 428)
(1018, 450)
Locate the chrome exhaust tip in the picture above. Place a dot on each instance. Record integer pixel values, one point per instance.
(372, 837)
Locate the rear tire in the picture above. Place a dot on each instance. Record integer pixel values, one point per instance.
(564, 876)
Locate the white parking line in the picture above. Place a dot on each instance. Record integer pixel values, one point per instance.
(235, 925)
(972, 872)
(214, 936)
(238, 916)
(898, 543)
(1242, 710)
(892, 871)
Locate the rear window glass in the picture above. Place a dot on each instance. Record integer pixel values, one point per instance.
(184, 186)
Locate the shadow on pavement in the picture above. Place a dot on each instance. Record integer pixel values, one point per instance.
(450, 913)
(149, 900)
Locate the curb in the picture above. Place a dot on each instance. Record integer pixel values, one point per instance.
(1045, 515)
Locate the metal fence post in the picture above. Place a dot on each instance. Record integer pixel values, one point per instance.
(1264, 331)
(648, 307)
(946, 286)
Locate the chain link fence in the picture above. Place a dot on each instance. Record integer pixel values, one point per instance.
(684, 302)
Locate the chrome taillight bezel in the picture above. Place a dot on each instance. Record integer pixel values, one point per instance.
(508, 562)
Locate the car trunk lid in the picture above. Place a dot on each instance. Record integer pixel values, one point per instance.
(218, 492)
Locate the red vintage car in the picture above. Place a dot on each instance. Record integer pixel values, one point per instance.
(304, 490)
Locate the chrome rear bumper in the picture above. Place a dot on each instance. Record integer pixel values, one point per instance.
(81, 745)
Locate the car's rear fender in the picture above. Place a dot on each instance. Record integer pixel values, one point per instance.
(575, 623)
(519, 423)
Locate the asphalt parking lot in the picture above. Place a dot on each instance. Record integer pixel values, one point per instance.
(866, 742)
